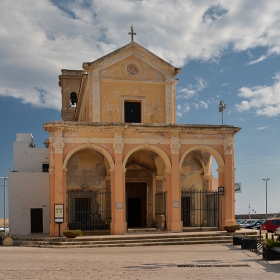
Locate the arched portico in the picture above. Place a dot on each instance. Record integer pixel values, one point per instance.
(208, 149)
(95, 147)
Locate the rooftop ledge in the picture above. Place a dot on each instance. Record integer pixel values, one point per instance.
(135, 126)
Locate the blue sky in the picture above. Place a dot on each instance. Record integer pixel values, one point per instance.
(228, 50)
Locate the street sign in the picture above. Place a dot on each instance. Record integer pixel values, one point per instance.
(221, 190)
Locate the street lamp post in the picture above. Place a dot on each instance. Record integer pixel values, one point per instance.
(4, 178)
(222, 107)
(266, 196)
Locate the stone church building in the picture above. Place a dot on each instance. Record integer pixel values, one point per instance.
(118, 160)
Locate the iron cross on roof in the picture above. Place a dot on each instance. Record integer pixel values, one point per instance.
(131, 33)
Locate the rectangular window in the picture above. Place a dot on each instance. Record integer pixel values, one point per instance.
(132, 112)
(45, 167)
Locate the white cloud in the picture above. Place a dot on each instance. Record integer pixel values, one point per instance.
(38, 38)
(191, 90)
(201, 104)
(263, 57)
(181, 109)
(264, 99)
(262, 127)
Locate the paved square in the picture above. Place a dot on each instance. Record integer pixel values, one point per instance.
(145, 262)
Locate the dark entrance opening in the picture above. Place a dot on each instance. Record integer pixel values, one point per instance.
(132, 112)
(36, 220)
(136, 204)
(186, 213)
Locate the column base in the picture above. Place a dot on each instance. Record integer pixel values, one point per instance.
(175, 226)
(118, 228)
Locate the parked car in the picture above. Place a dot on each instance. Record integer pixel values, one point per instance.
(271, 224)
(259, 224)
(251, 223)
(241, 221)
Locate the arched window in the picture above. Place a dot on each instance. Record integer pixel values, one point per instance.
(73, 99)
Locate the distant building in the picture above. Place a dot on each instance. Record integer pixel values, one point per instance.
(118, 160)
(29, 195)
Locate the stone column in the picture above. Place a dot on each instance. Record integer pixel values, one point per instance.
(57, 184)
(228, 199)
(221, 198)
(118, 207)
(174, 222)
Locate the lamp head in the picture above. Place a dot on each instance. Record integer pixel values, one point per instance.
(3, 178)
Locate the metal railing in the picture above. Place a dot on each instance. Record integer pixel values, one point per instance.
(89, 210)
(200, 208)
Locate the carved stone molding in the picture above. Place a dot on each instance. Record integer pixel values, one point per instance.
(220, 170)
(51, 170)
(118, 147)
(58, 147)
(167, 170)
(142, 99)
(229, 144)
(175, 148)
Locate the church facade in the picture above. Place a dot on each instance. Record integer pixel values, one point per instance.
(118, 160)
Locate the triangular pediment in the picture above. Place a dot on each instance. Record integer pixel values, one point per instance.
(132, 49)
(132, 68)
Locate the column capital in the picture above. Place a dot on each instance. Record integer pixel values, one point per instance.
(58, 147)
(220, 170)
(118, 147)
(51, 170)
(167, 170)
(229, 144)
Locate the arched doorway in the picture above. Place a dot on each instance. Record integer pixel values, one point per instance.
(144, 180)
(87, 191)
(199, 196)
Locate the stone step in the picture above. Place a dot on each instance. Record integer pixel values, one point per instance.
(132, 240)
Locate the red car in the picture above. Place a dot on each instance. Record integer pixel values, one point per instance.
(271, 225)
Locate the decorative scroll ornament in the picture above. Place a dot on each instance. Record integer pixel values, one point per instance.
(58, 146)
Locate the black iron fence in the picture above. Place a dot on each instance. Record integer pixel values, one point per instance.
(89, 210)
(200, 208)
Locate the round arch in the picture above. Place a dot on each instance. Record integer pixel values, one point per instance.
(210, 150)
(95, 147)
(153, 148)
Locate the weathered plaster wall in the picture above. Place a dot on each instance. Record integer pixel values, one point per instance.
(191, 176)
(28, 190)
(86, 169)
(114, 94)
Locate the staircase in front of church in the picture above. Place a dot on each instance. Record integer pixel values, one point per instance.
(132, 239)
